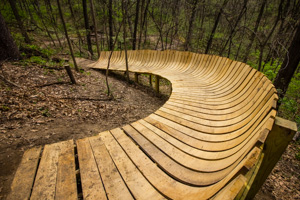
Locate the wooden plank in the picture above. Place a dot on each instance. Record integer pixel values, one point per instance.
(91, 182)
(203, 141)
(24, 177)
(187, 170)
(45, 182)
(66, 184)
(250, 178)
(187, 145)
(136, 182)
(46, 176)
(195, 163)
(231, 190)
(163, 182)
(278, 139)
(114, 185)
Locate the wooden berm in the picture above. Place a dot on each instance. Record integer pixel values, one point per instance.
(215, 138)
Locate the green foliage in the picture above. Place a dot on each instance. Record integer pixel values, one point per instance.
(297, 154)
(4, 108)
(18, 38)
(270, 70)
(45, 112)
(290, 107)
(38, 60)
(219, 35)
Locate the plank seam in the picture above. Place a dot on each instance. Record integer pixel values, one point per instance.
(37, 168)
(135, 164)
(98, 169)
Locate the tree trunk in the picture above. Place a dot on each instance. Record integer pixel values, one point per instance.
(190, 30)
(124, 10)
(141, 23)
(175, 17)
(253, 34)
(95, 26)
(289, 65)
(270, 34)
(212, 34)
(231, 35)
(108, 63)
(18, 18)
(39, 13)
(70, 74)
(54, 24)
(67, 36)
(137, 10)
(110, 24)
(8, 48)
(129, 25)
(27, 9)
(87, 28)
(146, 22)
(74, 21)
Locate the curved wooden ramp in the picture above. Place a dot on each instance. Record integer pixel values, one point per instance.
(200, 144)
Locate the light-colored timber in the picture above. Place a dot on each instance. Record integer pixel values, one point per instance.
(24, 178)
(206, 142)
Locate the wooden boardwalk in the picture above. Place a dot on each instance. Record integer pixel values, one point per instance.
(202, 143)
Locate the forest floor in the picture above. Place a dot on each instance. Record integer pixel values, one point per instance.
(39, 106)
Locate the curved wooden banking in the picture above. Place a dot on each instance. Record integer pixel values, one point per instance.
(202, 143)
(204, 134)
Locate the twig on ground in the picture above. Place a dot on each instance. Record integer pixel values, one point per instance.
(9, 82)
(49, 84)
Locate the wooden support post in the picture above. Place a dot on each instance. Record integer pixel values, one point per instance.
(157, 84)
(68, 69)
(277, 141)
(136, 77)
(150, 80)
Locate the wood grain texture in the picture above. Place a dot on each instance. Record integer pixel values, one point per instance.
(46, 178)
(217, 112)
(24, 177)
(92, 185)
(66, 185)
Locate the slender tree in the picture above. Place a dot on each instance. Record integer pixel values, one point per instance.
(212, 34)
(191, 22)
(233, 29)
(87, 28)
(264, 43)
(137, 10)
(8, 48)
(18, 18)
(67, 36)
(124, 11)
(74, 21)
(145, 22)
(53, 21)
(36, 6)
(95, 26)
(108, 63)
(110, 25)
(253, 34)
(141, 23)
(289, 65)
